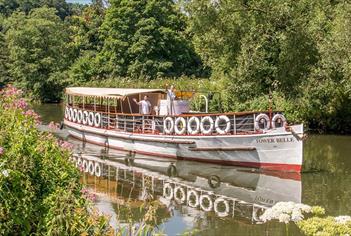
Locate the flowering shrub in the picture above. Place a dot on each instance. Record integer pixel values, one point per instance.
(340, 225)
(40, 192)
(286, 212)
(342, 219)
(53, 126)
(315, 225)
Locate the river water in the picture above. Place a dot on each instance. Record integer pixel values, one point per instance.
(222, 200)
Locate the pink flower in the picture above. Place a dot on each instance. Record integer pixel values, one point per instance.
(1, 151)
(86, 194)
(92, 197)
(65, 145)
(53, 126)
(84, 191)
(33, 114)
(21, 104)
(10, 91)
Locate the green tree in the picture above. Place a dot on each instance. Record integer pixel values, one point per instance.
(300, 50)
(255, 43)
(327, 92)
(146, 39)
(86, 41)
(4, 76)
(7, 7)
(39, 52)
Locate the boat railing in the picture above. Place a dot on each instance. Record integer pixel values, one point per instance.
(184, 124)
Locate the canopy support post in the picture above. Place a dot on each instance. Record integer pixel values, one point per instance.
(130, 107)
(108, 112)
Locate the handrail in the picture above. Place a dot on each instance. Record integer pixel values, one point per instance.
(139, 123)
(181, 115)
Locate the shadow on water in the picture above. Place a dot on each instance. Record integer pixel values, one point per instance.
(240, 194)
(329, 187)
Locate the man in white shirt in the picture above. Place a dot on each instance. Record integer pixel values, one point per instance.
(170, 98)
(145, 105)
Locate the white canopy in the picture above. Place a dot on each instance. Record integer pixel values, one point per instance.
(108, 92)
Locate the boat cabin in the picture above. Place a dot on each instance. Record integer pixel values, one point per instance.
(117, 109)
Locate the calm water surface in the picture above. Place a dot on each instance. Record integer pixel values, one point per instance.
(231, 198)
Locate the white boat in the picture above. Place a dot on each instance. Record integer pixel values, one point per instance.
(109, 117)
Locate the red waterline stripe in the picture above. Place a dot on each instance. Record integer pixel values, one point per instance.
(293, 171)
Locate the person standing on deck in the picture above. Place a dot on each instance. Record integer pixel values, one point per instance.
(170, 99)
(145, 105)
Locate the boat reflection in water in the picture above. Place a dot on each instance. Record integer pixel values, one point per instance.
(195, 189)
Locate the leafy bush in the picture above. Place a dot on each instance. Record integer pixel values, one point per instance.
(310, 220)
(40, 191)
(324, 226)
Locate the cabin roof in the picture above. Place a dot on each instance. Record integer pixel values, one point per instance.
(109, 92)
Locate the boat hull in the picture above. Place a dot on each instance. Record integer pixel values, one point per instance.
(275, 150)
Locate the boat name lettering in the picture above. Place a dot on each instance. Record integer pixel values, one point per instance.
(275, 140)
(264, 200)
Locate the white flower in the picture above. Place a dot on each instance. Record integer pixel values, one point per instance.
(285, 212)
(342, 219)
(296, 215)
(284, 218)
(5, 173)
(304, 208)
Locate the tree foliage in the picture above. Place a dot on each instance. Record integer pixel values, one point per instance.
(7, 7)
(298, 49)
(39, 52)
(146, 39)
(4, 76)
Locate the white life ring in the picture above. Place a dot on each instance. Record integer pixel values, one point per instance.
(218, 128)
(276, 118)
(226, 204)
(91, 119)
(182, 197)
(97, 169)
(265, 119)
(197, 127)
(91, 167)
(196, 195)
(85, 166)
(75, 114)
(255, 216)
(168, 191)
(176, 123)
(202, 125)
(79, 162)
(97, 120)
(168, 130)
(79, 116)
(85, 117)
(70, 116)
(210, 203)
(66, 112)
